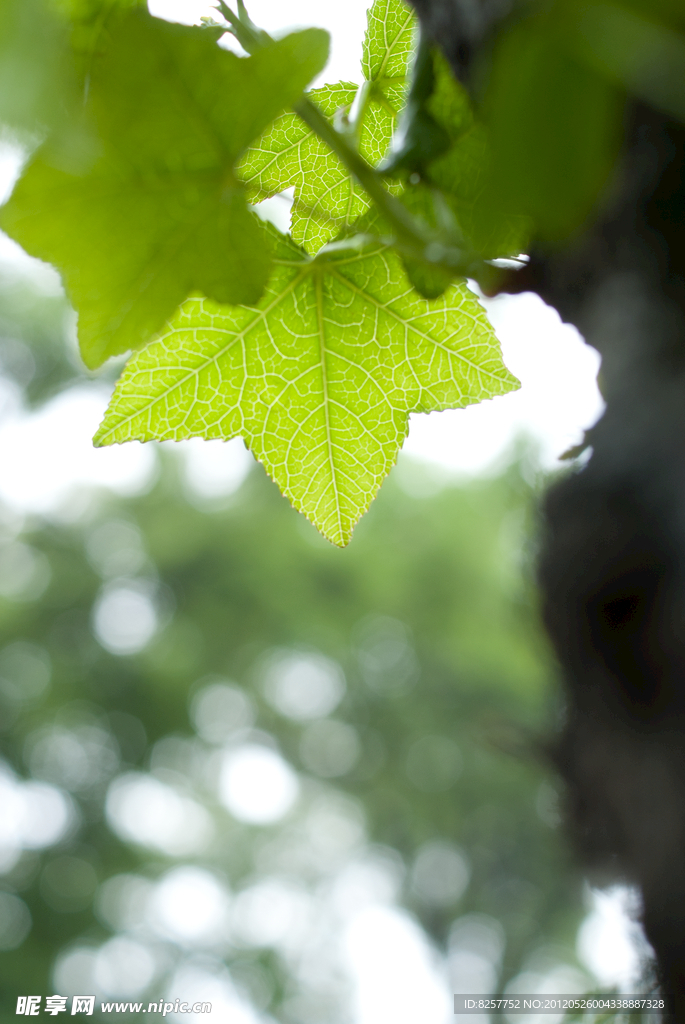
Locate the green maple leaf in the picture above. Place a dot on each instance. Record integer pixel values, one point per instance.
(327, 198)
(157, 212)
(319, 377)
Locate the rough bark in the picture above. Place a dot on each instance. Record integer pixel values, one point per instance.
(612, 568)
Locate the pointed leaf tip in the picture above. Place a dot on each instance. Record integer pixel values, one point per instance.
(319, 377)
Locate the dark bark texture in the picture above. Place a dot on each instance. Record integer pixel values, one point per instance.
(612, 567)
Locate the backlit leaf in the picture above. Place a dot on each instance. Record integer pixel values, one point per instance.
(36, 73)
(327, 199)
(319, 377)
(156, 212)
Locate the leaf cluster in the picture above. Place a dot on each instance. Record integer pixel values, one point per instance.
(314, 347)
(317, 346)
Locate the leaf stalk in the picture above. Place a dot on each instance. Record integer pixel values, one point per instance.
(411, 237)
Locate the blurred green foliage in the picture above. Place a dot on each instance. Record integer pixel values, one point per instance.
(430, 615)
(35, 340)
(431, 763)
(441, 571)
(152, 211)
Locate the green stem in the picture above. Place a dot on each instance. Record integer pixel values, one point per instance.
(359, 109)
(402, 222)
(246, 32)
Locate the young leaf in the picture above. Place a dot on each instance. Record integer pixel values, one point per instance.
(159, 212)
(386, 53)
(319, 378)
(327, 199)
(291, 154)
(388, 42)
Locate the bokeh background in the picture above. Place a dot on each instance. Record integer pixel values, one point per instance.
(242, 766)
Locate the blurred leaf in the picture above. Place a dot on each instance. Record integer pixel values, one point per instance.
(461, 174)
(318, 379)
(36, 83)
(669, 12)
(426, 203)
(554, 127)
(90, 22)
(642, 56)
(327, 199)
(41, 42)
(159, 213)
(92, 10)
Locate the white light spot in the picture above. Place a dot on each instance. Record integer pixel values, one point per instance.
(272, 913)
(303, 686)
(215, 469)
(475, 948)
(187, 12)
(277, 209)
(11, 821)
(393, 969)
(122, 901)
(189, 905)
(124, 619)
(47, 815)
(550, 979)
(123, 967)
(256, 785)
(471, 972)
(194, 985)
(75, 970)
(34, 816)
(12, 156)
(610, 942)
(334, 828)
(440, 874)
(220, 709)
(329, 748)
(480, 933)
(345, 22)
(369, 880)
(46, 454)
(144, 810)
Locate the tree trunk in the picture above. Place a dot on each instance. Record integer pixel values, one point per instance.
(612, 568)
